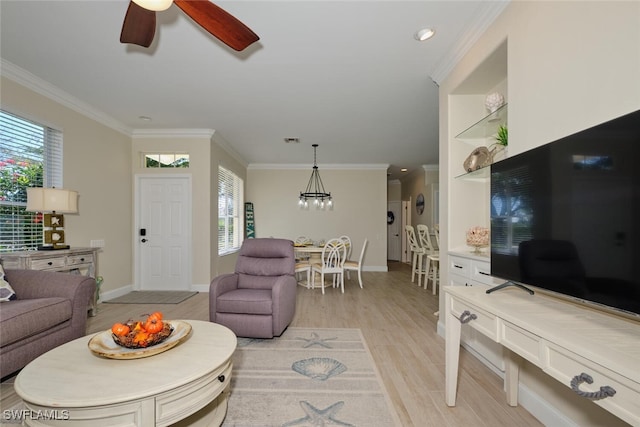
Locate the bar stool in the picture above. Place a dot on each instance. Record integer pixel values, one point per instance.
(433, 273)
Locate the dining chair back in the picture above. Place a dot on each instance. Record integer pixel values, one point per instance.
(332, 262)
(357, 265)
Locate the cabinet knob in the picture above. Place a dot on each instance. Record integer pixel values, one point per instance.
(221, 378)
(467, 317)
(82, 259)
(50, 263)
(603, 393)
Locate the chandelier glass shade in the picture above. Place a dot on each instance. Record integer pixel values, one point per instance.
(315, 194)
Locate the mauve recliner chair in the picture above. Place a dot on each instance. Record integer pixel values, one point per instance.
(259, 299)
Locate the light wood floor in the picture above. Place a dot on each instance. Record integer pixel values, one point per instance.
(396, 318)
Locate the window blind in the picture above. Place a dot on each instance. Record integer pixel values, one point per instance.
(30, 156)
(511, 210)
(230, 202)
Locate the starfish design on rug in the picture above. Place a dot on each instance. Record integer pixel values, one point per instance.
(319, 417)
(316, 340)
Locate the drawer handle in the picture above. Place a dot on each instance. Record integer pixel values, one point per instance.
(467, 317)
(457, 266)
(605, 391)
(82, 259)
(221, 378)
(484, 273)
(50, 263)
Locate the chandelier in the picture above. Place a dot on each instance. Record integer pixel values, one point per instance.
(315, 189)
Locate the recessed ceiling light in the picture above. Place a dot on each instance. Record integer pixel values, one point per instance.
(424, 34)
(292, 140)
(403, 170)
(145, 118)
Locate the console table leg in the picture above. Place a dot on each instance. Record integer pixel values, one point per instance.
(511, 380)
(452, 353)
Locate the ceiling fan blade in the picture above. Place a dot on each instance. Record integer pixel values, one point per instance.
(219, 23)
(139, 26)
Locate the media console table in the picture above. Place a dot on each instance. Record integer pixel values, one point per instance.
(75, 260)
(592, 352)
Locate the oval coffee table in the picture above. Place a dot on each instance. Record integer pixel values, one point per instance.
(187, 383)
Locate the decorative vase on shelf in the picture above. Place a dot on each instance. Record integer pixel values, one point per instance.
(478, 238)
(493, 101)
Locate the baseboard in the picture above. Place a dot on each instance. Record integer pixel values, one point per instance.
(540, 408)
(115, 293)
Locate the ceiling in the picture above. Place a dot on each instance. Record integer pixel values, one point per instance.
(347, 75)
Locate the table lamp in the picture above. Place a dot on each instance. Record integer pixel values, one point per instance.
(52, 202)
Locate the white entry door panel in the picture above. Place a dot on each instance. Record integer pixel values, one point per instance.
(164, 233)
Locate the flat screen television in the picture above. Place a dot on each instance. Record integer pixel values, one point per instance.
(565, 216)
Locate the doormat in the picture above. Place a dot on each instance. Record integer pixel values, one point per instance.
(152, 297)
(308, 376)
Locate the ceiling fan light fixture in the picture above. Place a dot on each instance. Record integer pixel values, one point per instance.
(155, 5)
(424, 34)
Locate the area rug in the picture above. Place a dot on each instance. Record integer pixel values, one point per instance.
(307, 377)
(152, 297)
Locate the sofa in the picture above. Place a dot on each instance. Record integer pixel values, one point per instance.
(258, 300)
(50, 309)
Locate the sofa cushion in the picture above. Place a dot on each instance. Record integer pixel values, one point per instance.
(245, 301)
(20, 319)
(6, 291)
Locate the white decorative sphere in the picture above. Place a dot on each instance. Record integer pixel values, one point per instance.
(493, 101)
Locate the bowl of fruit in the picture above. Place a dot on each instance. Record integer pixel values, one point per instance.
(140, 338)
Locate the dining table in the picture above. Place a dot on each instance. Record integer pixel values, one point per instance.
(315, 252)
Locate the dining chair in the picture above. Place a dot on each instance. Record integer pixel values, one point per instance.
(347, 241)
(301, 240)
(356, 265)
(436, 232)
(303, 266)
(333, 258)
(417, 253)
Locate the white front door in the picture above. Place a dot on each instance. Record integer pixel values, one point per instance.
(164, 232)
(394, 221)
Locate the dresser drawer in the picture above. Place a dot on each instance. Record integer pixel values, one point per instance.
(521, 342)
(79, 259)
(47, 263)
(460, 266)
(484, 321)
(481, 272)
(564, 366)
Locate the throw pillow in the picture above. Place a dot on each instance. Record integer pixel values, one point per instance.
(6, 291)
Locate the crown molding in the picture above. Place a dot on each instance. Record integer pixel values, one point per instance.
(488, 13)
(46, 89)
(173, 133)
(306, 166)
(224, 145)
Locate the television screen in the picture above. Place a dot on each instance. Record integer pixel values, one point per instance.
(565, 216)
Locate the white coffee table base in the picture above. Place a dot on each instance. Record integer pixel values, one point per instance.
(187, 385)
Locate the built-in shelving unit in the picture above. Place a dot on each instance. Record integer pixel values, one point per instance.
(479, 175)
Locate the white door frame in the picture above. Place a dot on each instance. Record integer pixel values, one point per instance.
(137, 285)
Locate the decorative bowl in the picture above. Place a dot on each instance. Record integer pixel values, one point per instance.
(102, 344)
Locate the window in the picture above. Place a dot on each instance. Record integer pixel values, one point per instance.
(173, 160)
(30, 156)
(230, 202)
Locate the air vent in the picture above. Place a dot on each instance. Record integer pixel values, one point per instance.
(292, 140)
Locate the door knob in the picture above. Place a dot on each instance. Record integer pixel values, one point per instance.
(143, 240)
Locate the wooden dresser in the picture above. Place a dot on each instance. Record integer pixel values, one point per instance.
(75, 261)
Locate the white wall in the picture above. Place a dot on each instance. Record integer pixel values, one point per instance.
(360, 206)
(571, 65)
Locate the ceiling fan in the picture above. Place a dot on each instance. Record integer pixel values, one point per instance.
(139, 25)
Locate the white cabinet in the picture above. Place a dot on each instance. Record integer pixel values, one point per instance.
(593, 353)
(466, 269)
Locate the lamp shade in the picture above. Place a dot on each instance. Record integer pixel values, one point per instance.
(52, 200)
